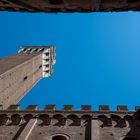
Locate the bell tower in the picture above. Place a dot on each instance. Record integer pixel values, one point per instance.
(20, 72)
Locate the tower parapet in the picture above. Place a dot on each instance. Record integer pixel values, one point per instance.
(48, 57)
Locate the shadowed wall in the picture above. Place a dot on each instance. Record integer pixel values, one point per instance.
(69, 5)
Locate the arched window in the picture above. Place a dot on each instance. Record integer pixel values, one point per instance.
(59, 138)
(129, 138)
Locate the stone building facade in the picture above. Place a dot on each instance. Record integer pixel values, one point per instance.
(69, 124)
(20, 72)
(69, 5)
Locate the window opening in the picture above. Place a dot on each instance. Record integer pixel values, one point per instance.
(25, 78)
(59, 137)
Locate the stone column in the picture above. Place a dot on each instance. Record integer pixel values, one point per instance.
(95, 130)
(27, 130)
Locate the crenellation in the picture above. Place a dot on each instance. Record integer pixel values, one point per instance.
(86, 107)
(76, 123)
(13, 107)
(104, 108)
(68, 107)
(50, 108)
(32, 107)
(122, 108)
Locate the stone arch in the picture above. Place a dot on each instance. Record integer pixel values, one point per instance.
(46, 120)
(128, 117)
(116, 119)
(60, 137)
(73, 120)
(27, 117)
(86, 118)
(60, 119)
(58, 115)
(3, 119)
(120, 122)
(16, 118)
(103, 120)
(130, 121)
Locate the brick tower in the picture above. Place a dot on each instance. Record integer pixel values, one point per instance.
(21, 71)
(53, 6)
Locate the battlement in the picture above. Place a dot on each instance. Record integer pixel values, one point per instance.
(48, 57)
(70, 108)
(77, 124)
(121, 114)
(67, 110)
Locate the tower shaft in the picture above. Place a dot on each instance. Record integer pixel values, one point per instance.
(20, 72)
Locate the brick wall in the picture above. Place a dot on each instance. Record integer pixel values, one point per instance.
(33, 124)
(18, 74)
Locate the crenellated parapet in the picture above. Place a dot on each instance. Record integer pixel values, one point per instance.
(82, 124)
(103, 114)
(48, 57)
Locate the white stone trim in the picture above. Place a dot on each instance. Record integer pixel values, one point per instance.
(48, 57)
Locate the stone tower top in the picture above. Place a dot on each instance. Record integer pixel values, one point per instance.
(48, 57)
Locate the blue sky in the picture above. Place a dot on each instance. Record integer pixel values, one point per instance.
(98, 56)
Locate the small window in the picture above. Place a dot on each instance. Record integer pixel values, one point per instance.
(25, 78)
(40, 66)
